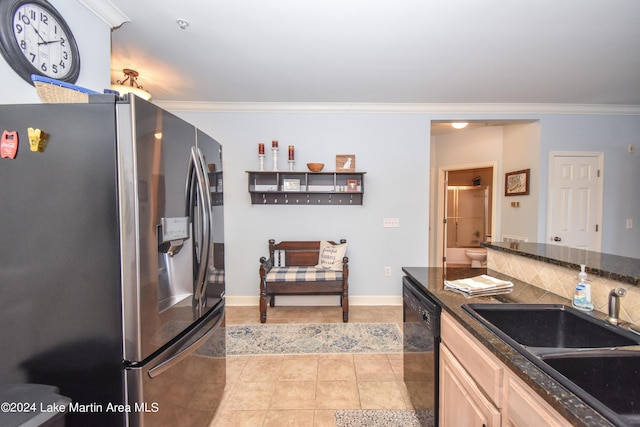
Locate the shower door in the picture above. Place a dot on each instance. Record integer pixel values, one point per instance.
(466, 216)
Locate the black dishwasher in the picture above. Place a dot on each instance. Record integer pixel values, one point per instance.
(421, 352)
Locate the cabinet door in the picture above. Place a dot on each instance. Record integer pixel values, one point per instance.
(487, 371)
(525, 408)
(461, 401)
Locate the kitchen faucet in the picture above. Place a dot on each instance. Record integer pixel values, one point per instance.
(614, 304)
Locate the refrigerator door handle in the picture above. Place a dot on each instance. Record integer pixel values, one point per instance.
(204, 196)
(208, 215)
(186, 346)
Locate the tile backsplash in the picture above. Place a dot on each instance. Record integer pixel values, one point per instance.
(562, 281)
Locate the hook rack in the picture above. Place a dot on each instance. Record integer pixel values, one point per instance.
(317, 188)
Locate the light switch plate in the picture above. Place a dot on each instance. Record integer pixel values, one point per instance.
(391, 222)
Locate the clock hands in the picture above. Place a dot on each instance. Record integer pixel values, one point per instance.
(49, 42)
(38, 33)
(45, 42)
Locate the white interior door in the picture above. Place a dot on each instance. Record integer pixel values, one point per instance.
(575, 200)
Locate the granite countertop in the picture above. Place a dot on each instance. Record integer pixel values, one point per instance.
(620, 268)
(431, 279)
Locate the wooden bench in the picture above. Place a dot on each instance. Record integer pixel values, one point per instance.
(291, 270)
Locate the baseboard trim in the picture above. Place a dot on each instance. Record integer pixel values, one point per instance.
(316, 300)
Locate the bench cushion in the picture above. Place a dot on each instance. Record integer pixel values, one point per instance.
(216, 276)
(302, 274)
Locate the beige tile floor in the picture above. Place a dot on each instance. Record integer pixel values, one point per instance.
(305, 390)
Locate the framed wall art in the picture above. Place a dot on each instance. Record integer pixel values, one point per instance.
(345, 163)
(516, 183)
(290, 184)
(352, 185)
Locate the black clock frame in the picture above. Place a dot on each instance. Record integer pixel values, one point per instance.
(13, 54)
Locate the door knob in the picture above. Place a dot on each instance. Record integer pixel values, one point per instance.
(557, 239)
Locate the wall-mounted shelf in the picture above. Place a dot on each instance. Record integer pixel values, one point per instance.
(306, 188)
(215, 180)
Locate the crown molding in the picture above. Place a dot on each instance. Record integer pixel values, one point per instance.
(280, 107)
(106, 11)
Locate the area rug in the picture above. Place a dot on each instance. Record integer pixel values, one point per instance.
(314, 338)
(382, 418)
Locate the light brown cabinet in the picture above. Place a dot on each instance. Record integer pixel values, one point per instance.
(525, 408)
(462, 403)
(477, 389)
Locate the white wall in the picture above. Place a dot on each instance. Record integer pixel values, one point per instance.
(464, 149)
(392, 148)
(521, 151)
(94, 42)
(475, 145)
(528, 146)
(513, 147)
(612, 135)
(395, 150)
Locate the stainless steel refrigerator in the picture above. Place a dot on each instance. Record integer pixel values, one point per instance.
(112, 261)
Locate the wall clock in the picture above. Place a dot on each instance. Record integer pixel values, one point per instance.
(35, 39)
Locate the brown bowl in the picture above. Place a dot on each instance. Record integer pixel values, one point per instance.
(315, 167)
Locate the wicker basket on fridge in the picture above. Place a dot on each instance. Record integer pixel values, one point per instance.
(53, 91)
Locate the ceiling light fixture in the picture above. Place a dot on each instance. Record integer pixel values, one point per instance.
(459, 125)
(182, 23)
(130, 85)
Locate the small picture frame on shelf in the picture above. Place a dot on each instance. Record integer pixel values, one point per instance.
(345, 163)
(352, 185)
(289, 184)
(516, 183)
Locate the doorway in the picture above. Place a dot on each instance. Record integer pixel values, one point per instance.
(500, 144)
(468, 199)
(575, 199)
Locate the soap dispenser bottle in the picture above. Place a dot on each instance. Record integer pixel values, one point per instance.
(582, 295)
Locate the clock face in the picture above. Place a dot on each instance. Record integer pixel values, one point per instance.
(43, 41)
(38, 41)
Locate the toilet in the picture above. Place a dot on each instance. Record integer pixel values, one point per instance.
(478, 257)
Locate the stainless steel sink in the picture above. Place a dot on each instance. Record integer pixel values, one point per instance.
(597, 361)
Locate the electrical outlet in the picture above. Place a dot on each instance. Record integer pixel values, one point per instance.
(387, 271)
(629, 224)
(391, 222)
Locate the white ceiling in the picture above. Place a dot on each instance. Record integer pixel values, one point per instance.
(376, 51)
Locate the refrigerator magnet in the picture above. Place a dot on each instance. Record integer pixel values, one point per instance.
(9, 144)
(37, 139)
